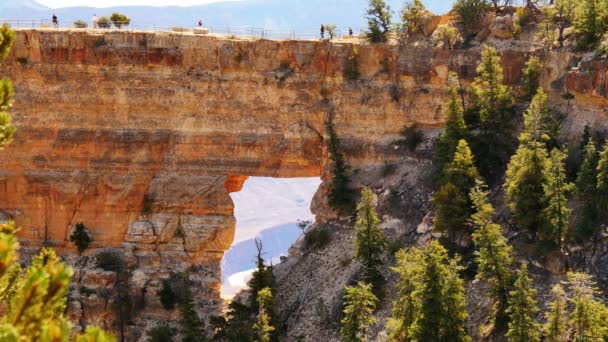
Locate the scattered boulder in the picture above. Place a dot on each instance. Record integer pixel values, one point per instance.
(502, 27)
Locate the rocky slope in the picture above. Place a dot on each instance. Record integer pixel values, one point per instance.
(141, 136)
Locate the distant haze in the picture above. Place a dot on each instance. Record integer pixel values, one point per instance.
(302, 15)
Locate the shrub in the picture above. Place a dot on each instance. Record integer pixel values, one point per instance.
(109, 260)
(81, 237)
(168, 297)
(412, 137)
(22, 60)
(378, 21)
(531, 77)
(80, 24)
(448, 35)
(411, 14)
(104, 22)
(344, 261)
(161, 333)
(388, 169)
(470, 15)
(317, 238)
(119, 20)
(331, 30)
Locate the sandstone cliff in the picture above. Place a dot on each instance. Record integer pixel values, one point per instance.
(141, 136)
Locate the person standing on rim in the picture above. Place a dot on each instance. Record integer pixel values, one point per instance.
(322, 31)
(94, 20)
(200, 23)
(55, 22)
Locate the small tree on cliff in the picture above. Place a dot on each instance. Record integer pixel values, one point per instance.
(378, 21)
(340, 196)
(263, 329)
(81, 238)
(556, 328)
(7, 130)
(119, 20)
(261, 278)
(522, 310)
(360, 303)
(586, 190)
(557, 190)
(411, 15)
(370, 241)
(192, 327)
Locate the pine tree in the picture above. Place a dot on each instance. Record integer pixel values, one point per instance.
(407, 306)
(192, 327)
(522, 310)
(565, 11)
(360, 303)
(556, 190)
(455, 127)
(539, 123)
(81, 237)
(378, 21)
(451, 200)
(263, 328)
(531, 76)
(493, 253)
(340, 196)
(556, 328)
(602, 181)
(588, 316)
(370, 242)
(524, 186)
(7, 130)
(442, 313)
(411, 15)
(492, 102)
(589, 21)
(586, 186)
(261, 278)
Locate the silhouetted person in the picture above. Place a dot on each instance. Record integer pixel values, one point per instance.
(322, 31)
(55, 23)
(350, 31)
(200, 23)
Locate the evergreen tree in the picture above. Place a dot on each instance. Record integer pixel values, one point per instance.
(442, 313)
(524, 186)
(370, 242)
(451, 200)
(493, 253)
(531, 76)
(455, 128)
(589, 21)
(81, 237)
(340, 196)
(407, 306)
(360, 303)
(261, 278)
(492, 102)
(539, 123)
(7, 130)
(522, 310)
(192, 327)
(586, 186)
(556, 190)
(411, 15)
(602, 181)
(263, 328)
(378, 21)
(588, 316)
(564, 13)
(556, 328)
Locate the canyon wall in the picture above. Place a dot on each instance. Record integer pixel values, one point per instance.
(142, 136)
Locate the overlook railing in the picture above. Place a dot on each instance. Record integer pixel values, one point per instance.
(241, 31)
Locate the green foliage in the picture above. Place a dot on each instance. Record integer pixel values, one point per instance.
(540, 125)
(6, 94)
(147, 204)
(80, 24)
(493, 253)
(590, 22)
(340, 196)
(235, 326)
(556, 328)
(455, 127)
(34, 301)
(108, 260)
(168, 297)
(586, 186)
(104, 22)
(564, 15)
(449, 36)
(442, 314)
(547, 27)
(589, 314)
(602, 181)
(360, 303)
(119, 20)
(522, 310)
(331, 30)
(491, 109)
(7, 38)
(412, 137)
(370, 242)
(161, 333)
(262, 328)
(261, 278)
(192, 327)
(81, 237)
(378, 21)
(556, 189)
(524, 186)
(531, 77)
(407, 306)
(7, 130)
(317, 238)
(411, 15)
(470, 15)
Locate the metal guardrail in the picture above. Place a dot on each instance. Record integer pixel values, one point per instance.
(242, 31)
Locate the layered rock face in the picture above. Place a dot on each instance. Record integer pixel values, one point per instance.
(142, 136)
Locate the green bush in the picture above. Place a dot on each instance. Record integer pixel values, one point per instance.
(104, 22)
(81, 237)
(317, 238)
(161, 333)
(412, 137)
(168, 297)
(80, 24)
(119, 20)
(109, 260)
(470, 15)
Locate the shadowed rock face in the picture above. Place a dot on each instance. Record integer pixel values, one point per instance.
(142, 136)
